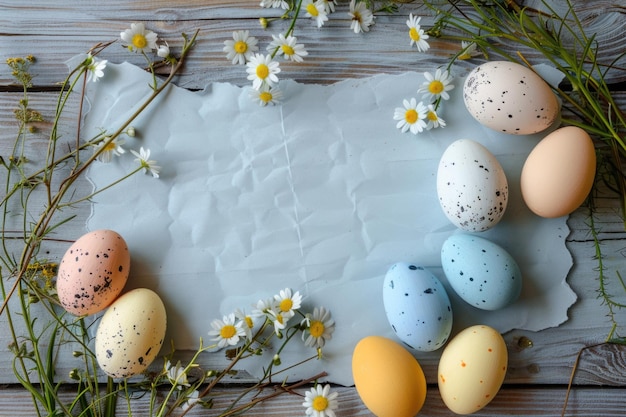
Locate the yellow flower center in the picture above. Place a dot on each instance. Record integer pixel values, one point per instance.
(411, 116)
(280, 319)
(249, 322)
(240, 47)
(262, 71)
(317, 328)
(286, 304)
(432, 116)
(109, 147)
(320, 403)
(287, 50)
(265, 97)
(312, 10)
(414, 34)
(228, 331)
(435, 87)
(139, 41)
(357, 17)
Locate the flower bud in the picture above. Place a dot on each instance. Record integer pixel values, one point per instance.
(264, 22)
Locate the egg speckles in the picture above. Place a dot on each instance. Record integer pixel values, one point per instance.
(93, 272)
(130, 333)
(510, 98)
(471, 186)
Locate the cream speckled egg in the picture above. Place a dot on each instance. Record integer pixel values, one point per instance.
(130, 333)
(472, 368)
(510, 98)
(93, 272)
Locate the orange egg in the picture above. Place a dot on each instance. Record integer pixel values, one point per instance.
(388, 378)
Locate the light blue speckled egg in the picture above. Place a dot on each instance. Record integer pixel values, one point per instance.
(481, 272)
(417, 306)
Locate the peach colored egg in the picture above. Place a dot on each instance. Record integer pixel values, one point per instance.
(559, 172)
(388, 378)
(93, 272)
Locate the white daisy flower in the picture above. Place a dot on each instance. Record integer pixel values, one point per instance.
(316, 11)
(107, 150)
(191, 400)
(279, 320)
(274, 4)
(320, 328)
(95, 68)
(287, 47)
(287, 302)
(362, 17)
(143, 157)
(163, 51)
(411, 116)
(138, 39)
(468, 50)
(266, 95)
(320, 402)
(263, 308)
(432, 118)
(240, 49)
(436, 86)
(248, 322)
(329, 6)
(416, 33)
(176, 374)
(226, 332)
(262, 69)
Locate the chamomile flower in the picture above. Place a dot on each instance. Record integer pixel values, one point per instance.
(320, 328)
(411, 116)
(468, 50)
(266, 95)
(163, 51)
(362, 17)
(138, 39)
(287, 302)
(320, 402)
(316, 11)
(279, 320)
(432, 118)
(263, 308)
(95, 68)
(109, 148)
(329, 6)
(436, 86)
(240, 49)
(275, 4)
(227, 332)
(416, 33)
(176, 374)
(287, 47)
(262, 69)
(248, 322)
(143, 157)
(193, 398)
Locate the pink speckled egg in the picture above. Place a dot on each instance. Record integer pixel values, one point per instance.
(93, 272)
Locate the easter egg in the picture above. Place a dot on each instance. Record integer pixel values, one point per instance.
(510, 98)
(130, 333)
(417, 306)
(471, 369)
(93, 272)
(559, 172)
(471, 186)
(481, 272)
(388, 378)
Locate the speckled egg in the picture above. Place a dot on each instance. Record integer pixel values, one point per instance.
(482, 273)
(93, 272)
(510, 98)
(130, 333)
(388, 378)
(417, 306)
(559, 172)
(471, 369)
(471, 186)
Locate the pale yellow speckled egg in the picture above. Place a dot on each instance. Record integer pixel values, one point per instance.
(93, 272)
(472, 368)
(130, 333)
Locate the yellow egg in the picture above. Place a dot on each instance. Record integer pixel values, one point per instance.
(559, 172)
(388, 378)
(130, 333)
(472, 368)
(93, 272)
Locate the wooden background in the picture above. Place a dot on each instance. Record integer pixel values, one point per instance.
(53, 31)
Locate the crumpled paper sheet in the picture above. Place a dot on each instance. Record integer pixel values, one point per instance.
(321, 194)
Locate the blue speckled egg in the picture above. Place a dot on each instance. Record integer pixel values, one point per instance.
(417, 306)
(481, 272)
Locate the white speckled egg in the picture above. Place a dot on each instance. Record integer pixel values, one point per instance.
(93, 272)
(472, 186)
(130, 333)
(510, 98)
(417, 306)
(480, 272)
(471, 369)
